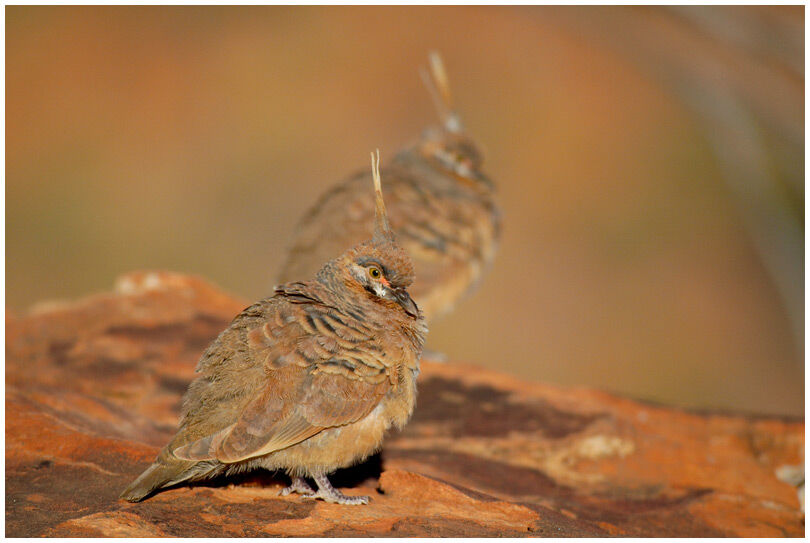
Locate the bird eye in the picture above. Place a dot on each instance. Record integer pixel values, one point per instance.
(374, 272)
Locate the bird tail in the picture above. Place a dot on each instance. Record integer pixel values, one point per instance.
(164, 472)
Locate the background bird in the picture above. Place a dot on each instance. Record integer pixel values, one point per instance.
(441, 206)
(306, 381)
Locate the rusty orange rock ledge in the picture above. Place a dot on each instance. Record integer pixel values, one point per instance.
(93, 391)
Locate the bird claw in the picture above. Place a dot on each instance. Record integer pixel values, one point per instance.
(326, 492)
(298, 485)
(338, 497)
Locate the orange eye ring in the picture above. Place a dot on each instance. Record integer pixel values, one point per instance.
(374, 272)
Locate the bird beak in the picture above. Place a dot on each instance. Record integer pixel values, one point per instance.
(404, 299)
(484, 180)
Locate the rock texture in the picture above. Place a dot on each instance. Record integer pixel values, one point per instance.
(93, 390)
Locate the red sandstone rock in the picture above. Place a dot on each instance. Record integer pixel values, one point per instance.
(93, 391)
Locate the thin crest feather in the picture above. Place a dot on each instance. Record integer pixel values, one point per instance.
(440, 76)
(381, 226)
(438, 85)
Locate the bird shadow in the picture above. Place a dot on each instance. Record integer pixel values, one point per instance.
(364, 474)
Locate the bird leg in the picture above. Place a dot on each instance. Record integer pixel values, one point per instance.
(299, 485)
(330, 494)
(434, 356)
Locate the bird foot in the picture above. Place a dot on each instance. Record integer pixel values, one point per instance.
(434, 356)
(298, 485)
(330, 494)
(336, 496)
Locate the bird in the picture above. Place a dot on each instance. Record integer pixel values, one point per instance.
(307, 380)
(441, 206)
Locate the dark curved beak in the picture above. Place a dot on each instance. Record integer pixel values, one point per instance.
(404, 299)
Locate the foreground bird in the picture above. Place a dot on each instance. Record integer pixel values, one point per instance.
(440, 204)
(306, 381)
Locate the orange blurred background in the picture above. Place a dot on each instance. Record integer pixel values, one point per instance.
(650, 164)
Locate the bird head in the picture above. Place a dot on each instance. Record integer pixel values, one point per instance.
(446, 147)
(379, 268)
(454, 155)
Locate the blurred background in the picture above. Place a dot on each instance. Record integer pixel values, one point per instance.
(650, 165)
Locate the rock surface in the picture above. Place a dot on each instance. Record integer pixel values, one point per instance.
(93, 390)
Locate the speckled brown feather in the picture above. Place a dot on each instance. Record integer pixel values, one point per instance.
(445, 218)
(306, 381)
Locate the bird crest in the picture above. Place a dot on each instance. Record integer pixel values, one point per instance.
(438, 85)
(382, 229)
